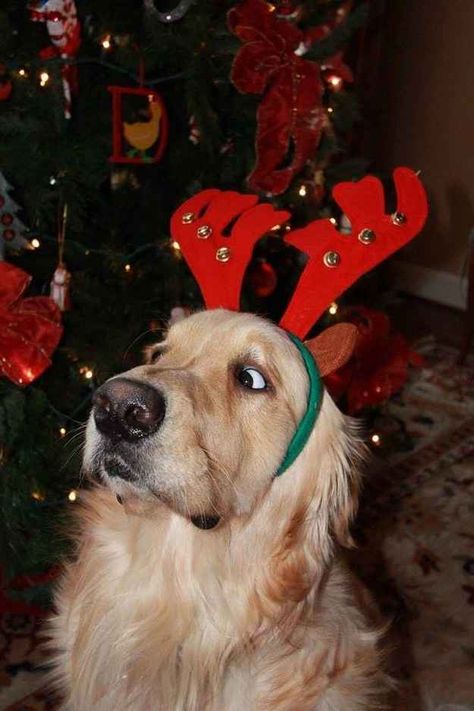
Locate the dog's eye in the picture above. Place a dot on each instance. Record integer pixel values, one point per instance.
(252, 379)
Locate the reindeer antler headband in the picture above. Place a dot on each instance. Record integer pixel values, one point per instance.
(217, 232)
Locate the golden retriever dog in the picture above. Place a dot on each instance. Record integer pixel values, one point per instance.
(203, 582)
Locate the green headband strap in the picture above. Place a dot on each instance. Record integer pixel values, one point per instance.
(306, 425)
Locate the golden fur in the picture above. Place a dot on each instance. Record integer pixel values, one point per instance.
(259, 613)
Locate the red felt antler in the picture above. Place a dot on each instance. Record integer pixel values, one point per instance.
(335, 260)
(217, 232)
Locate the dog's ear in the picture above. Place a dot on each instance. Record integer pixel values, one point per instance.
(333, 347)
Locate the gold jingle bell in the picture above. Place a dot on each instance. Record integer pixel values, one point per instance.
(332, 259)
(366, 236)
(223, 254)
(204, 232)
(399, 218)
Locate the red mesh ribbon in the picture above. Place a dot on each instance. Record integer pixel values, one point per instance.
(379, 366)
(30, 328)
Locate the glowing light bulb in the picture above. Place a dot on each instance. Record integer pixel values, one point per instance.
(128, 268)
(37, 496)
(333, 308)
(72, 496)
(335, 82)
(35, 243)
(333, 220)
(302, 191)
(330, 110)
(22, 73)
(106, 43)
(89, 374)
(176, 246)
(375, 438)
(44, 78)
(52, 180)
(62, 431)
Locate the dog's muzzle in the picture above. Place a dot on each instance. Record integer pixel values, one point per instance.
(127, 410)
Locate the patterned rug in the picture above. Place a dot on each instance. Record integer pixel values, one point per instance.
(415, 533)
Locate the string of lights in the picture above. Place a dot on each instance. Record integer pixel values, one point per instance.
(41, 65)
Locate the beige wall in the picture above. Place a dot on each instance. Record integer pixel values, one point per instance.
(423, 114)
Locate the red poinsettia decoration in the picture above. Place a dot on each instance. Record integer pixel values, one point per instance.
(30, 329)
(379, 366)
(291, 116)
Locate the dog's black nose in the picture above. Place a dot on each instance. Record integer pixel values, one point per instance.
(127, 409)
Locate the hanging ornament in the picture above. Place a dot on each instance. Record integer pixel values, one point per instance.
(64, 32)
(194, 131)
(5, 83)
(167, 16)
(12, 228)
(139, 142)
(61, 281)
(30, 329)
(263, 279)
(291, 116)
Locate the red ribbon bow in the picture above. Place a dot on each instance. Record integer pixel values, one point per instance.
(291, 114)
(30, 328)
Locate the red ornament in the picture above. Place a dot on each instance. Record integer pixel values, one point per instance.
(379, 365)
(291, 115)
(8, 235)
(7, 218)
(217, 232)
(5, 90)
(30, 328)
(146, 140)
(263, 279)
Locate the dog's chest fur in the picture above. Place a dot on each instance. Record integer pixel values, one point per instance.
(146, 623)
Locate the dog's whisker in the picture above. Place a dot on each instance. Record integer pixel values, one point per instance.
(72, 440)
(71, 456)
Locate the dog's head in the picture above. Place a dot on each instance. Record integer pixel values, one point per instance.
(204, 425)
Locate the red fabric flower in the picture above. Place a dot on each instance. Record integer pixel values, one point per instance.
(30, 328)
(379, 366)
(290, 117)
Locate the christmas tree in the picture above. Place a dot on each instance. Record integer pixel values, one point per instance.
(118, 112)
